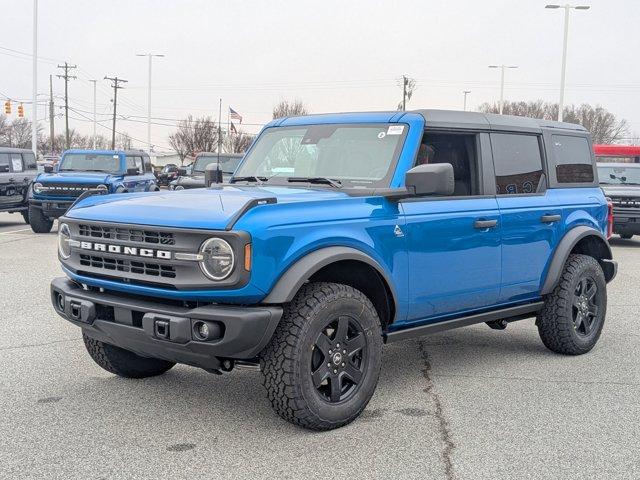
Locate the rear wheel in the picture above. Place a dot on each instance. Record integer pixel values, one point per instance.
(573, 316)
(322, 365)
(39, 223)
(123, 362)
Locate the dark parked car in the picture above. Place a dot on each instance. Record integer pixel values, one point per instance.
(18, 168)
(621, 183)
(168, 173)
(228, 164)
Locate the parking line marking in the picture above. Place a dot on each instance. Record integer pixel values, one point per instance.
(15, 231)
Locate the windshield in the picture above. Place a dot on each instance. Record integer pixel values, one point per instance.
(355, 155)
(227, 164)
(90, 162)
(619, 175)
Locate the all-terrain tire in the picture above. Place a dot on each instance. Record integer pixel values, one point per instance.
(39, 223)
(123, 362)
(556, 324)
(626, 236)
(286, 363)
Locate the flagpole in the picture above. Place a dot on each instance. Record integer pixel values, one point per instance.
(219, 130)
(228, 121)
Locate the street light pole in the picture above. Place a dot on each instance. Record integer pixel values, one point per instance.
(150, 56)
(502, 69)
(34, 120)
(465, 92)
(94, 114)
(567, 9)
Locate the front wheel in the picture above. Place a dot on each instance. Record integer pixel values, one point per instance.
(573, 315)
(39, 223)
(25, 216)
(322, 365)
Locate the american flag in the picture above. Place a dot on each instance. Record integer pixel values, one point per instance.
(235, 115)
(233, 128)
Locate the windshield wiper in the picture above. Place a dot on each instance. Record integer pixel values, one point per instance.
(323, 180)
(249, 178)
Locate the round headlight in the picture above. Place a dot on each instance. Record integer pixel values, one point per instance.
(64, 235)
(37, 187)
(102, 188)
(218, 259)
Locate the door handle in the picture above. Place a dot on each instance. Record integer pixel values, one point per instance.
(12, 180)
(550, 218)
(483, 224)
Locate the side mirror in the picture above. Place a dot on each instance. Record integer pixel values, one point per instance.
(182, 171)
(133, 171)
(430, 179)
(48, 169)
(212, 174)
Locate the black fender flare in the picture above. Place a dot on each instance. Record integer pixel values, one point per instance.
(570, 240)
(290, 282)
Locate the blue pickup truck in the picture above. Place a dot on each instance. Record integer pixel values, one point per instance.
(337, 234)
(83, 172)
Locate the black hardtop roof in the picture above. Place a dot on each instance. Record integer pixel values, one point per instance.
(491, 121)
(618, 164)
(15, 150)
(222, 154)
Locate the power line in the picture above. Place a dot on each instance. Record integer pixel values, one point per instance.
(116, 86)
(66, 67)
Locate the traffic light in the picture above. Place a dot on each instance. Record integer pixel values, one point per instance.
(7, 107)
(20, 111)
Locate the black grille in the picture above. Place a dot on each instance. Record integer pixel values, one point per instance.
(128, 266)
(126, 234)
(626, 202)
(67, 189)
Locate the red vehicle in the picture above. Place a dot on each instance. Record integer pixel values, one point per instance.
(617, 153)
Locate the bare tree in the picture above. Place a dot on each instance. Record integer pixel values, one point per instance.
(604, 126)
(193, 136)
(289, 108)
(16, 133)
(238, 142)
(123, 141)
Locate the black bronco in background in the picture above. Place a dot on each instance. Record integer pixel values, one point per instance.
(168, 173)
(18, 168)
(228, 163)
(621, 183)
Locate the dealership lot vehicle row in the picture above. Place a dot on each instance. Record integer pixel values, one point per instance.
(469, 403)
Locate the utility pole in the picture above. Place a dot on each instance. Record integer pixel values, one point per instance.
(502, 69)
(150, 56)
(404, 92)
(563, 71)
(66, 77)
(116, 85)
(34, 120)
(93, 143)
(51, 133)
(465, 92)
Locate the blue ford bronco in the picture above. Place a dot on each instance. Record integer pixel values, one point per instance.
(337, 234)
(84, 172)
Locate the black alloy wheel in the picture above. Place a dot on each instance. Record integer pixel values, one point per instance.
(585, 306)
(339, 359)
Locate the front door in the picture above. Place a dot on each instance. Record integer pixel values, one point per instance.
(453, 243)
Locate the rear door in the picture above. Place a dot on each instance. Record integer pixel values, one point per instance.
(29, 174)
(6, 187)
(530, 218)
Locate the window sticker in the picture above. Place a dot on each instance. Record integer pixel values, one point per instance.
(381, 135)
(17, 164)
(395, 130)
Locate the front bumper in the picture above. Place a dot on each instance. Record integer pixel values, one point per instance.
(157, 329)
(52, 208)
(626, 220)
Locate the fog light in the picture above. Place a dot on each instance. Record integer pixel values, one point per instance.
(60, 300)
(203, 330)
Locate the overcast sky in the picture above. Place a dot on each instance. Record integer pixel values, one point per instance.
(334, 55)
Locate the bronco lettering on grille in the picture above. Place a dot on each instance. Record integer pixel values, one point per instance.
(122, 250)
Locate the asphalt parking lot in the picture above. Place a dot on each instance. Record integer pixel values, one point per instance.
(472, 403)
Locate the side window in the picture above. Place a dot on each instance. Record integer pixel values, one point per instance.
(457, 149)
(573, 159)
(16, 162)
(518, 163)
(29, 161)
(4, 162)
(146, 161)
(134, 162)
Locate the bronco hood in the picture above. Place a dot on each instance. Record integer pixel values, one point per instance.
(74, 177)
(213, 208)
(621, 190)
